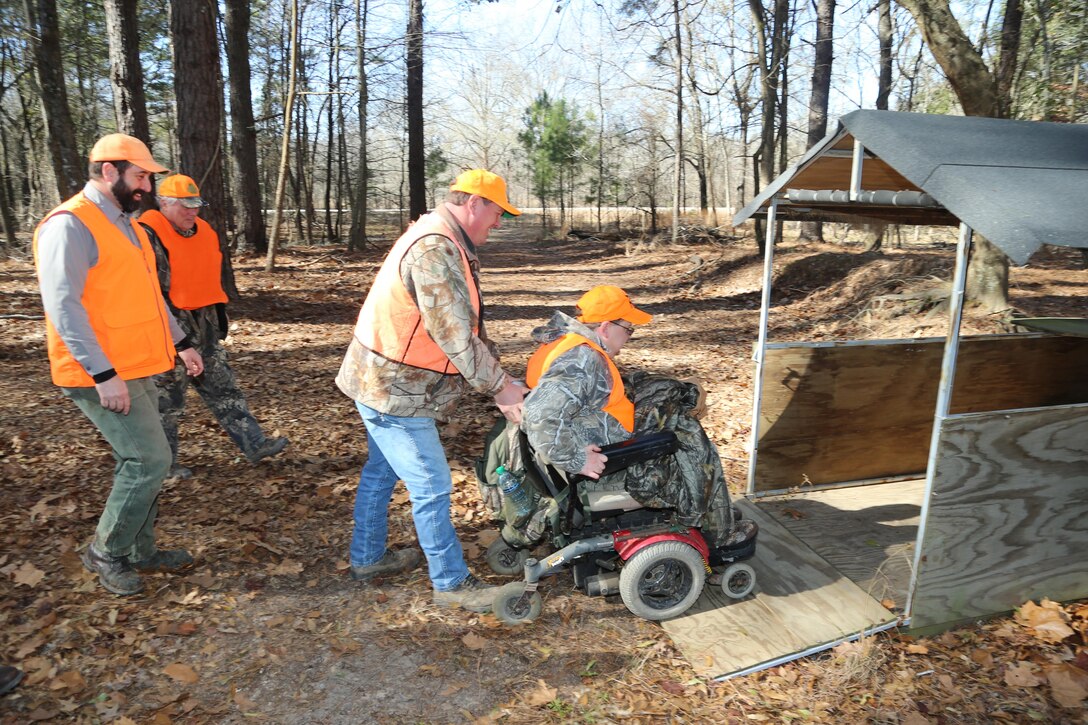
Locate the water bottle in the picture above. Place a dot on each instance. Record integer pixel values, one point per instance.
(520, 499)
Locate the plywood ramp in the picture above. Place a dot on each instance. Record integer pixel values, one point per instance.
(801, 605)
(866, 532)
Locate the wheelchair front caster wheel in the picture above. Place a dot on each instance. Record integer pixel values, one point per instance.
(504, 559)
(513, 605)
(738, 581)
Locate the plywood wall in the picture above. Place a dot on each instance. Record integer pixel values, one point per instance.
(857, 411)
(1008, 515)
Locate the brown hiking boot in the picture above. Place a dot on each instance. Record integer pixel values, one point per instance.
(115, 574)
(471, 594)
(390, 563)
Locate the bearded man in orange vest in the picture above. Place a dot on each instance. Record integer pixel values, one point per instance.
(418, 348)
(108, 332)
(190, 264)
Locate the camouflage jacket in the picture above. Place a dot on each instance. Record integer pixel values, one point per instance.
(433, 275)
(563, 414)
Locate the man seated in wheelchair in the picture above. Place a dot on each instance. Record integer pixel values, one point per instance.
(580, 402)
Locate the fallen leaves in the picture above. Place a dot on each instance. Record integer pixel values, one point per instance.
(28, 575)
(1068, 684)
(542, 694)
(1023, 674)
(1047, 620)
(181, 673)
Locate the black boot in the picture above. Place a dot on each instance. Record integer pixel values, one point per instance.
(115, 574)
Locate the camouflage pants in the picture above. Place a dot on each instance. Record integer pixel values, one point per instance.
(216, 386)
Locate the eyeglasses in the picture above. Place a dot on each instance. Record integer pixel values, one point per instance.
(630, 328)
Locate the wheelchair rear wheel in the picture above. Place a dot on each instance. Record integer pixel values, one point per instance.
(505, 559)
(511, 607)
(663, 580)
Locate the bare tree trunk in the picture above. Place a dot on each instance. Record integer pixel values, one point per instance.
(60, 133)
(7, 193)
(769, 58)
(285, 145)
(200, 114)
(1010, 53)
(963, 66)
(126, 74)
(821, 92)
(678, 166)
(303, 181)
(600, 145)
(243, 143)
(7, 215)
(874, 233)
(978, 91)
(332, 234)
(417, 162)
(357, 235)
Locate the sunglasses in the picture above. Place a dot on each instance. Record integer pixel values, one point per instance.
(630, 328)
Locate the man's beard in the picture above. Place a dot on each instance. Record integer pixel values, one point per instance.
(127, 197)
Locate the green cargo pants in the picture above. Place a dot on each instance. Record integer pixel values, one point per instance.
(127, 525)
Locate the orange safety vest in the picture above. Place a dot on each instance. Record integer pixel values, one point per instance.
(390, 324)
(123, 302)
(195, 262)
(618, 406)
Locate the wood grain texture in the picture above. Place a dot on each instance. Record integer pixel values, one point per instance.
(866, 532)
(800, 602)
(834, 414)
(1008, 518)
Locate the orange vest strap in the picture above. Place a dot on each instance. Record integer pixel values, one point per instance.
(618, 406)
(196, 262)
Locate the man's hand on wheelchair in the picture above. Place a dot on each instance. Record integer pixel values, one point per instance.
(595, 461)
(509, 400)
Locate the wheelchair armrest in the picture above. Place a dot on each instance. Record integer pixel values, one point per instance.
(639, 449)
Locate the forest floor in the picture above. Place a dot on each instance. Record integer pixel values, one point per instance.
(268, 627)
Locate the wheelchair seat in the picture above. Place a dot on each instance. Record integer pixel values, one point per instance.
(597, 501)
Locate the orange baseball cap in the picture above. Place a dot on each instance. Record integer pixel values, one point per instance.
(182, 187)
(121, 147)
(490, 186)
(606, 302)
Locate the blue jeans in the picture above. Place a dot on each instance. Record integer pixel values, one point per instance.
(407, 449)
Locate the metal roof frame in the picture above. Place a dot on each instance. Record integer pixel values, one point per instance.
(1021, 184)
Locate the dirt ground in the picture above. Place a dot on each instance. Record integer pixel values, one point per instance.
(268, 627)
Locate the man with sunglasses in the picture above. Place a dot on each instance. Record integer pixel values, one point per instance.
(580, 402)
(190, 263)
